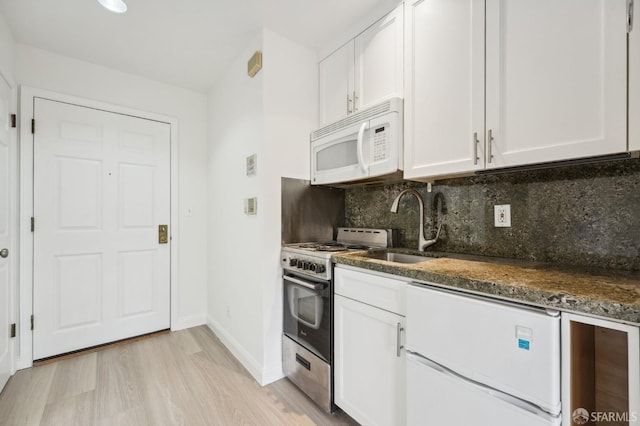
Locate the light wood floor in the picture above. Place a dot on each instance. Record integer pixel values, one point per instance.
(181, 378)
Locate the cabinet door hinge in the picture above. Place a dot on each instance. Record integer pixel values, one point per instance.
(14, 120)
(33, 126)
(12, 331)
(31, 322)
(629, 15)
(33, 223)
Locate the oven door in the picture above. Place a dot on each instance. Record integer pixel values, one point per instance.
(307, 314)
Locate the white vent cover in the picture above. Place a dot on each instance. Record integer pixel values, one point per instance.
(393, 104)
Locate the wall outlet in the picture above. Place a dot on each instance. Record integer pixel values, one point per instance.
(502, 216)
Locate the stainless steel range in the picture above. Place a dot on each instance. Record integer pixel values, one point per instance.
(307, 344)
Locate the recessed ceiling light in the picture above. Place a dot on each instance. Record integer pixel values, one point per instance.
(115, 6)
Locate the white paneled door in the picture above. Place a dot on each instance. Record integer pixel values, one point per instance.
(5, 233)
(101, 191)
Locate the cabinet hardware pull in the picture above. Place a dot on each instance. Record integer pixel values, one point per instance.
(490, 146)
(399, 330)
(355, 101)
(475, 148)
(349, 109)
(303, 362)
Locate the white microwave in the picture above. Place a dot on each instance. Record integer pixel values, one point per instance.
(366, 146)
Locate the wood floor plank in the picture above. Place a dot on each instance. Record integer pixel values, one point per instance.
(74, 410)
(74, 377)
(135, 416)
(166, 395)
(186, 341)
(186, 377)
(117, 384)
(24, 397)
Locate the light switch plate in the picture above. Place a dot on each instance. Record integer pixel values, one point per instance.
(502, 216)
(251, 206)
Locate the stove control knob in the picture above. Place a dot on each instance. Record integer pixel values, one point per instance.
(313, 267)
(304, 265)
(293, 262)
(320, 269)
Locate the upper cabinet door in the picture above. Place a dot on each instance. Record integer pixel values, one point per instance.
(444, 78)
(365, 71)
(556, 80)
(378, 61)
(336, 85)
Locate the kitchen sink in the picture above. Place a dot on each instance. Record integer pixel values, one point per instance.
(397, 257)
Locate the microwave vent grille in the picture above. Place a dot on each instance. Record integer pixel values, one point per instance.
(393, 104)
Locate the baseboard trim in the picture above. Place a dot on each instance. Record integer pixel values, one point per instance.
(272, 376)
(249, 362)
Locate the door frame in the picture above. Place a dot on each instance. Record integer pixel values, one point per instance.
(13, 221)
(26, 97)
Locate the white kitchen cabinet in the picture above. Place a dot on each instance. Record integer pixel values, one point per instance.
(444, 81)
(548, 83)
(336, 84)
(601, 371)
(369, 358)
(365, 71)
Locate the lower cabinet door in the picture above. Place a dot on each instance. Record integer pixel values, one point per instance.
(369, 363)
(437, 397)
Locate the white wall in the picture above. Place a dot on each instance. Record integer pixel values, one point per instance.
(270, 115)
(7, 46)
(50, 71)
(236, 130)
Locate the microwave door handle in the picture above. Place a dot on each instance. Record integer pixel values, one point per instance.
(361, 162)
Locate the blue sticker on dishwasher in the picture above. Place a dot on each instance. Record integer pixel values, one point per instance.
(523, 344)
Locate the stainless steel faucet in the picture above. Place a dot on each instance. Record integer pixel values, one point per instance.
(423, 243)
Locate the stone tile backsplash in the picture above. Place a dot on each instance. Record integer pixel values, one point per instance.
(586, 215)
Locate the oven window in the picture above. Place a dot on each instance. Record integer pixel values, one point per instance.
(305, 306)
(338, 155)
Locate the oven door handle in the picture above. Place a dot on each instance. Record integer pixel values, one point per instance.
(314, 287)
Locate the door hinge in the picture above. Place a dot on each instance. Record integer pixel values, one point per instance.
(14, 120)
(12, 332)
(33, 223)
(33, 126)
(31, 322)
(629, 15)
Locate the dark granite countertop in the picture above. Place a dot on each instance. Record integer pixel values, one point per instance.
(611, 294)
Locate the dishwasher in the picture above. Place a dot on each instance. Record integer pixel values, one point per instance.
(473, 360)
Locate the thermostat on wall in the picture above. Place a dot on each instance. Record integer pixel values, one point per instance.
(252, 164)
(251, 205)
